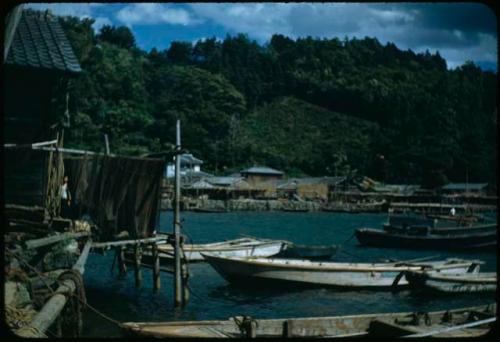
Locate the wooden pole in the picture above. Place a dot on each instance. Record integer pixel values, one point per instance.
(106, 142)
(31, 244)
(128, 242)
(122, 268)
(177, 221)
(156, 268)
(137, 265)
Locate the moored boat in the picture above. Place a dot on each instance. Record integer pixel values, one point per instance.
(243, 247)
(464, 282)
(425, 238)
(336, 274)
(448, 230)
(381, 324)
(461, 219)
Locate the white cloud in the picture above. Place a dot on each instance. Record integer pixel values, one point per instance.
(72, 9)
(408, 26)
(100, 22)
(75, 10)
(154, 13)
(485, 51)
(259, 20)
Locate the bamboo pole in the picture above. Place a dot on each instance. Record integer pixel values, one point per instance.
(127, 242)
(31, 244)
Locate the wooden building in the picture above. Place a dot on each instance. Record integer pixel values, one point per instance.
(38, 65)
(259, 174)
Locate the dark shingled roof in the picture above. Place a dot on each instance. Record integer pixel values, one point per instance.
(40, 42)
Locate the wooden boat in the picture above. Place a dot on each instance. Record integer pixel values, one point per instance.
(243, 247)
(316, 252)
(425, 238)
(458, 230)
(465, 282)
(336, 274)
(462, 219)
(379, 324)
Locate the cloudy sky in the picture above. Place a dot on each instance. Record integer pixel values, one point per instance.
(459, 31)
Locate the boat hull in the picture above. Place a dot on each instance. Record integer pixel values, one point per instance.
(341, 275)
(333, 326)
(452, 283)
(251, 249)
(379, 238)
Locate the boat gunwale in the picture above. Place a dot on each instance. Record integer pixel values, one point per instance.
(455, 278)
(329, 267)
(423, 237)
(139, 326)
(219, 248)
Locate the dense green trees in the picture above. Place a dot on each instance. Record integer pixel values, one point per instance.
(308, 106)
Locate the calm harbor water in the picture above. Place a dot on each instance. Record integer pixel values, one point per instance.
(212, 297)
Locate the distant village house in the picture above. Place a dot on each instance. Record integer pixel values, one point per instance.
(258, 174)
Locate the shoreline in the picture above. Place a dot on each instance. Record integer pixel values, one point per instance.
(231, 205)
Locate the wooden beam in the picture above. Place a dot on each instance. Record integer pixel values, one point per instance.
(32, 244)
(23, 212)
(82, 260)
(166, 269)
(128, 242)
(33, 145)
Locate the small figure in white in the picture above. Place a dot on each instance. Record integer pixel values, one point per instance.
(452, 211)
(65, 198)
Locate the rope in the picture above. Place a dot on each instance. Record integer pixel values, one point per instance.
(349, 239)
(18, 318)
(42, 277)
(341, 247)
(349, 254)
(245, 324)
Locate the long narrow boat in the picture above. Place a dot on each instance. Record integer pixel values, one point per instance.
(461, 219)
(379, 324)
(465, 282)
(243, 247)
(337, 274)
(450, 230)
(425, 239)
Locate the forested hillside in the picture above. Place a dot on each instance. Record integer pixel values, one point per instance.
(307, 106)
